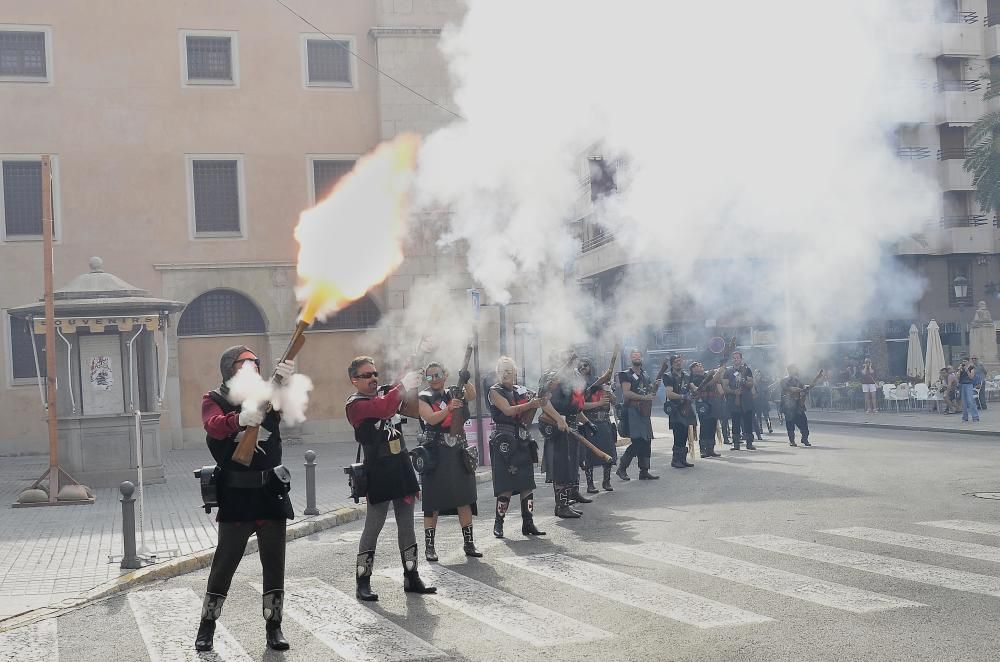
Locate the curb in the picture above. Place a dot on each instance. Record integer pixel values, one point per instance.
(191, 562)
(914, 428)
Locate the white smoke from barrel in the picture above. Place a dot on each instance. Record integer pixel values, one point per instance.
(251, 391)
(756, 135)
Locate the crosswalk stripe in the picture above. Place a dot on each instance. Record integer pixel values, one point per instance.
(630, 591)
(913, 571)
(510, 614)
(828, 594)
(986, 528)
(37, 642)
(351, 630)
(969, 550)
(167, 619)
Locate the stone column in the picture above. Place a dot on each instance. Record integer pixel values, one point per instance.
(983, 339)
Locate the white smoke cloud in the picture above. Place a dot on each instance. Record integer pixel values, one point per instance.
(757, 136)
(249, 389)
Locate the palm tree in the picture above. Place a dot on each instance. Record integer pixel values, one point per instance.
(983, 155)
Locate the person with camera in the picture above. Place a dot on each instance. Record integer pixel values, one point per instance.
(869, 386)
(252, 499)
(966, 374)
(374, 413)
(597, 405)
(637, 407)
(449, 477)
(513, 451)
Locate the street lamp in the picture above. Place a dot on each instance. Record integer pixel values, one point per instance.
(961, 285)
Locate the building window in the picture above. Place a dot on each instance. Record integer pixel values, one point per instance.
(602, 178)
(328, 62)
(362, 314)
(326, 173)
(24, 53)
(210, 58)
(21, 191)
(21, 360)
(220, 313)
(217, 208)
(959, 283)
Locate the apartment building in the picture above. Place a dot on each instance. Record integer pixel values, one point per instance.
(185, 139)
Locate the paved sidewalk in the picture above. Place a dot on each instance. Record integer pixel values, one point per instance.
(913, 419)
(58, 554)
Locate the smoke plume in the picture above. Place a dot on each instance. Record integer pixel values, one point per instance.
(249, 389)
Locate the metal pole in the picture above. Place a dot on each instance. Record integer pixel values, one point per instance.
(311, 484)
(50, 330)
(130, 560)
(503, 329)
(479, 396)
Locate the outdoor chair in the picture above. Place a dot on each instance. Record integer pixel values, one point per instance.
(921, 394)
(902, 394)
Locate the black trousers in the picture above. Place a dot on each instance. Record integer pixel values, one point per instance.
(680, 431)
(233, 538)
(799, 419)
(743, 425)
(706, 434)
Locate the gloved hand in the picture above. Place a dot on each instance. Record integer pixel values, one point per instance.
(284, 370)
(251, 418)
(591, 428)
(464, 375)
(411, 380)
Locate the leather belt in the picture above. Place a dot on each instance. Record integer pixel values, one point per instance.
(598, 415)
(247, 480)
(449, 440)
(517, 431)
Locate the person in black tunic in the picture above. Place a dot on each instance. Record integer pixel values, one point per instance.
(708, 396)
(374, 413)
(449, 484)
(738, 384)
(793, 403)
(597, 405)
(679, 404)
(251, 499)
(637, 402)
(512, 449)
(564, 412)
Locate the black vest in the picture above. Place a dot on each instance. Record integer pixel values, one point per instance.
(268, 439)
(390, 475)
(516, 396)
(433, 398)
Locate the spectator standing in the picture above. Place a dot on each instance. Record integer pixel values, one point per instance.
(869, 386)
(979, 382)
(966, 371)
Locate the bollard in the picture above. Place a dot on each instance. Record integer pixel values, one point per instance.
(311, 484)
(130, 561)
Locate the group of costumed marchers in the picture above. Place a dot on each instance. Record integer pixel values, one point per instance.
(573, 404)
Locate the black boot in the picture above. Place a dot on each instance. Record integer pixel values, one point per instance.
(503, 502)
(469, 544)
(528, 527)
(363, 574)
(574, 494)
(769, 429)
(430, 553)
(211, 610)
(562, 503)
(606, 483)
(805, 441)
(589, 473)
(678, 461)
(273, 607)
(411, 578)
(791, 440)
(623, 462)
(750, 446)
(644, 470)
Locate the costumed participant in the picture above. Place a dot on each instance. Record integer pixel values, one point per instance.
(513, 451)
(374, 413)
(597, 406)
(252, 499)
(708, 396)
(761, 404)
(637, 405)
(563, 412)
(449, 476)
(679, 407)
(737, 382)
(793, 401)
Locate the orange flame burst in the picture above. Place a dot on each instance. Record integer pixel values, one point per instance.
(352, 240)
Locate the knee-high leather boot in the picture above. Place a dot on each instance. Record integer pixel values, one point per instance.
(273, 603)
(363, 575)
(503, 502)
(211, 609)
(528, 527)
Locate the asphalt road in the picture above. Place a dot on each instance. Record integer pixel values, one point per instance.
(730, 560)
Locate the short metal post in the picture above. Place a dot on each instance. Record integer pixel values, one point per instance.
(311, 484)
(130, 561)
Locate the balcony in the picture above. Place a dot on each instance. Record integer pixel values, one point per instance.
(964, 39)
(599, 254)
(960, 102)
(951, 170)
(953, 235)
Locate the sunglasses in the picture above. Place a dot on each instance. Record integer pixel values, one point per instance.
(434, 376)
(366, 375)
